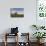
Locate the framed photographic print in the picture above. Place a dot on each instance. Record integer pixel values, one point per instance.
(17, 12)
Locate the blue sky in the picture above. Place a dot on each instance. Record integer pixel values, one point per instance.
(17, 9)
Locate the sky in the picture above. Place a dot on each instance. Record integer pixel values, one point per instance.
(17, 9)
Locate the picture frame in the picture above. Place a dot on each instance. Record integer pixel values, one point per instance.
(16, 12)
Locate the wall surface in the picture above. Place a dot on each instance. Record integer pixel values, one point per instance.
(24, 24)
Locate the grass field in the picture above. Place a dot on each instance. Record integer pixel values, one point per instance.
(17, 15)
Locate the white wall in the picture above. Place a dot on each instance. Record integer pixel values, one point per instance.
(24, 24)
